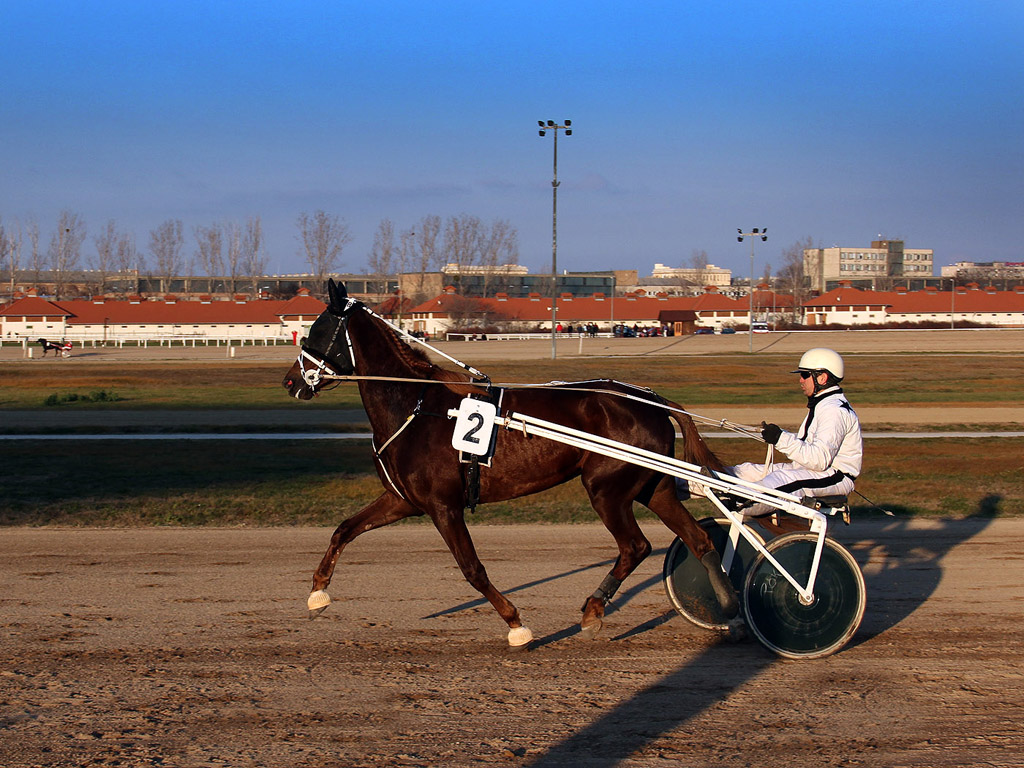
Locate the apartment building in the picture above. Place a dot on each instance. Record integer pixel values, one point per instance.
(872, 266)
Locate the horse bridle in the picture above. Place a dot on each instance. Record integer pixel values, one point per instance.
(319, 365)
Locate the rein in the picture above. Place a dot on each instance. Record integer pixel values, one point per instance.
(732, 426)
(322, 371)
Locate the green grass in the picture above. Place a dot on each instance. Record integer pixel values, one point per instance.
(890, 379)
(321, 482)
(257, 482)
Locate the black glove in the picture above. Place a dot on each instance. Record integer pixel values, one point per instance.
(771, 433)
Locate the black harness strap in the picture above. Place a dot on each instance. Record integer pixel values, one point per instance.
(472, 476)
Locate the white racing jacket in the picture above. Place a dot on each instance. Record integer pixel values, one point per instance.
(829, 437)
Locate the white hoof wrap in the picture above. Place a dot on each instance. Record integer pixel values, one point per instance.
(519, 637)
(318, 600)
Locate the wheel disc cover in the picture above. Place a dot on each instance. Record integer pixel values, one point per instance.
(778, 617)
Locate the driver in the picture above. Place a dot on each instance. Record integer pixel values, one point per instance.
(825, 452)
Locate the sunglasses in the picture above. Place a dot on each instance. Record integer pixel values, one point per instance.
(806, 374)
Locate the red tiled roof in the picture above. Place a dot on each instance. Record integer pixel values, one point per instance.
(89, 312)
(923, 302)
(845, 296)
(393, 305)
(33, 307)
(303, 304)
(770, 299)
(624, 309)
(970, 301)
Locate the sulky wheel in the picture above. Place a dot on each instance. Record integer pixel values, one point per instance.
(686, 580)
(778, 618)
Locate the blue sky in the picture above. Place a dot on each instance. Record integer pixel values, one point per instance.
(837, 121)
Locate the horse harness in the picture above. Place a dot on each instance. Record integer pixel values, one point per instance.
(320, 370)
(472, 462)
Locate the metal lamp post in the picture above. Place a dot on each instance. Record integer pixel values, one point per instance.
(763, 234)
(545, 126)
(952, 303)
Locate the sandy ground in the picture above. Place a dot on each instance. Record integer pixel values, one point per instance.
(860, 342)
(191, 648)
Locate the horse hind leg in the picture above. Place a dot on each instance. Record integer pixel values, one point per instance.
(664, 503)
(386, 508)
(631, 554)
(616, 512)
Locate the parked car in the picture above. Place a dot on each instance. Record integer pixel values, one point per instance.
(728, 329)
(703, 331)
(760, 327)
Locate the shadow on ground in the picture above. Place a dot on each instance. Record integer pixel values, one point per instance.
(906, 569)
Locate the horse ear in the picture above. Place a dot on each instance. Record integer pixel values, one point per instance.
(337, 294)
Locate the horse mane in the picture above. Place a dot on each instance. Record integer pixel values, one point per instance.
(418, 362)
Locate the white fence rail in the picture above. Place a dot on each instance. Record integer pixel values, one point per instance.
(149, 340)
(452, 336)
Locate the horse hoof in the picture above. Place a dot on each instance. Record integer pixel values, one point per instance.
(737, 630)
(317, 603)
(519, 638)
(590, 631)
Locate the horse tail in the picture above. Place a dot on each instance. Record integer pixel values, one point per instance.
(695, 450)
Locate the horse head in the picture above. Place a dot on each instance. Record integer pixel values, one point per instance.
(326, 349)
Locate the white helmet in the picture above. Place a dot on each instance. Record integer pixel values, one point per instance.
(822, 359)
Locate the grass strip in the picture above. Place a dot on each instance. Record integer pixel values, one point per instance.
(896, 379)
(316, 482)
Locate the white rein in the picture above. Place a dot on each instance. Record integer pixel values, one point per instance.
(323, 372)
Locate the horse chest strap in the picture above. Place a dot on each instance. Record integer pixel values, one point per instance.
(378, 451)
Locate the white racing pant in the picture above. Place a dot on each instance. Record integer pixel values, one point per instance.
(789, 477)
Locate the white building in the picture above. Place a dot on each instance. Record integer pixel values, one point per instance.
(698, 276)
(166, 319)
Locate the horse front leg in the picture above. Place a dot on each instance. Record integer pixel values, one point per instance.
(385, 509)
(452, 527)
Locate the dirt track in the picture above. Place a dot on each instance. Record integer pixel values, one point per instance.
(191, 648)
(859, 342)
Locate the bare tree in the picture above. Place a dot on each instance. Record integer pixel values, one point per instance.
(499, 246)
(65, 250)
(4, 247)
(128, 262)
(323, 238)
(423, 253)
(253, 255)
(698, 262)
(165, 243)
(233, 254)
(462, 241)
(383, 255)
(36, 258)
(427, 252)
(104, 261)
(10, 252)
(209, 251)
(791, 275)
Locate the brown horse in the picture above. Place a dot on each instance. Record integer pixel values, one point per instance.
(407, 401)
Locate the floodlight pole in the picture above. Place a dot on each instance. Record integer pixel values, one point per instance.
(763, 234)
(952, 303)
(551, 125)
